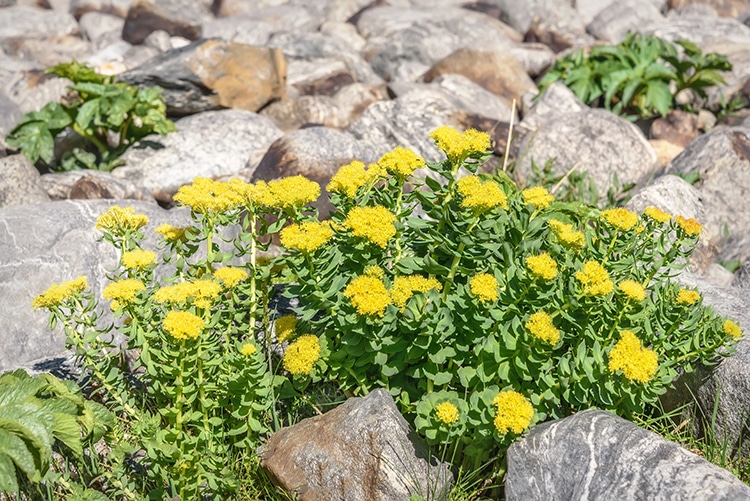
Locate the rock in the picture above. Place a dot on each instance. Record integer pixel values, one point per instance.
(724, 8)
(176, 17)
(9, 115)
(535, 58)
(665, 151)
(362, 449)
(737, 80)
(48, 243)
(700, 29)
(239, 29)
(742, 279)
(717, 275)
(210, 144)
(27, 22)
(498, 72)
(282, 16)
(101, 29)
(81, 184)
(120, 57)
(19, 183)
(613, 23)
(722, 160)
(213, 74)
(558, 28)
(678, 127)
(49, 51)
(117, 8)
(345, 33)
(557, 98)
(33, 89)
(593, 141)
(597, 455)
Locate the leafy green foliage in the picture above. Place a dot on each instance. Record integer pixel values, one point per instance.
(110, 116)
(634, 78)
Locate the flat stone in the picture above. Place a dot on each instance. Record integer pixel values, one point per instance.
(20, 183)
(613, 23)
(81, 184)
(117, 8)
(723, 8)
(700, 29)
(19, 21)
(176, 17)
(101, 29)
(678, 127)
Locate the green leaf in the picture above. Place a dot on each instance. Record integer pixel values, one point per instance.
(87, 113)
(34, 140)
(658, 96)
(8, 481)
(77, 72)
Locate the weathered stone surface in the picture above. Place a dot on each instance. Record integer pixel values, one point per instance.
(614, 22)
(92, 184)
(31, 90)
(700, 29)
(345, 33)
(101, 29)
(176, 17)
(724, 8)
(665, 151)
(362, 449)
(213, 74)
(597, 455)
(47, 243)
(282, 16)
(209, 144)
(498, 72)
(20, 21)
(678, 127)
(535, 58)
(717, 275)
(119, 57)
(117, 8)
(737, 80)
(19, 182)
(742, 278)
(48, 51)
(593, 141)
(555, 100)
(9, 114)
(558, 28)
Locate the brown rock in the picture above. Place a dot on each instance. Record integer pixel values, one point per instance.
(180, 18)
(117, 8)
(89, 185)
(326, 86)
(498, 132)
(665, 151)
(496, 71)
(678, 127)
(557, 37)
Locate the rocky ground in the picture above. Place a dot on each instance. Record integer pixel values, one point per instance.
(261, 89)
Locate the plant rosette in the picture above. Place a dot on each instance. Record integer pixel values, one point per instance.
(441, 417)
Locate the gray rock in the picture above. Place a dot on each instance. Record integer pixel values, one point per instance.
(736, 85)
(119, 57)
(49, 51)
(597, 455)
(535, 58)
(19, 182)
(81, 184)
(9, 114)
(176, 17)
(117, 8)
(556, 99)
(27, 22)
(362, 449)
(724, 8)
(282, 15)
(614, 22)
(210, 144)
(700, 29)
(717, 275)
(558, 26)
(48, 243)
(241, 29)
(345, 33)
(742, 278)
(101, 29)
(32, 90)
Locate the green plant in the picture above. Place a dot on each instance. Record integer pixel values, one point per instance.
(109, 116)
(638, 77)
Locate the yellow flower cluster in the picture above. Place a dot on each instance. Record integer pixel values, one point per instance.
(138, 259)
(687, 297)
(202, 291)
(375, 224)
(446, 412)
(689, 226)
(351, 177)
(458, 146)
(620, 218)
(481, 196)
(514, 412)
(306, 236)
(118, 220)
(230, 275)
(248, 349)
(123, 291)
(300, 355)
(368, 295)
(541, 327)
(183, 325)
(293, 191)
(373, 271)
(285, 327)
(253, 195)
(594, 279)
(539, 196)
(634, 290)
(542, 266)
(732, 329)
(401, 162)
(171, 233)
(57, 293)
(206, 195)
(405, 286)
(484, 287)
(657, 215)
(636, 362)
(567, 236)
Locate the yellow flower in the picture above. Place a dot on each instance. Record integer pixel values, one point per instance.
(285, 327)
(351, 177)
(636, 362)
(57, 293)
(620, 218)
(539, 196)
(446, 412)
(404, 287)
(375, 224)
(401, 161)
(457, 146)
(248, 349)
(514, 412)
(634, 290)
(594, 279)
(481, 196)
(373, 271)
(183, 325)
(123, 291)
(203, 292)
(689, 226)
(540, 326)
(368, 295)
(253, 195)
(138, 259)
(657, 215)
(687, 297)
(732, 329)
(293, 191)
(484, 287)
(230, 275)
(307, 236)
(300, 355)
(567, 236)
(542, 266)
(118, 220)
(171, 233)
(208, 196)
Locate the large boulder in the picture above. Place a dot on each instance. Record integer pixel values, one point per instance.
(19, 182)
